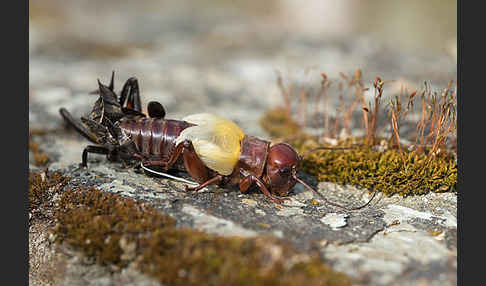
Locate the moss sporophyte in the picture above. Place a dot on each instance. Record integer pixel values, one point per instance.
(117, 231)
(381, 164)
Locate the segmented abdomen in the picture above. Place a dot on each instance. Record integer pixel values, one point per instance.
(154, 137)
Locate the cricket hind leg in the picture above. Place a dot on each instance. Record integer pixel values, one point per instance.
(192, 163)
(131, 93)
(196, 168)
(112, 81)
(111, 86)
(110, 106)
(80, 128)
(130, 89)
(165, 164)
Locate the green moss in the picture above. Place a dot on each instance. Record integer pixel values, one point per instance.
(107, 226)
(184, 257)
(392, 171)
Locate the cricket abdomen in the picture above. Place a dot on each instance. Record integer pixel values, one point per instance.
(155, 138)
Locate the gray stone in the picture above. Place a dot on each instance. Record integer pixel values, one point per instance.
(212, 224)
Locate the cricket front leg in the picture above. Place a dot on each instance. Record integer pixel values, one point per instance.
(80, 128)
(249, 180)
(94, 150)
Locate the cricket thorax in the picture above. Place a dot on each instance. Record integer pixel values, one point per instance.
(254, 152)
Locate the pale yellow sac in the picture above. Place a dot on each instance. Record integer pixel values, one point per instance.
(217, 141)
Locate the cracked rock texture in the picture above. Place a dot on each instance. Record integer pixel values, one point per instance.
(217, 58)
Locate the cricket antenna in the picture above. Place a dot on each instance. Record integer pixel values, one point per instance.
(167, 175)
(331, 203)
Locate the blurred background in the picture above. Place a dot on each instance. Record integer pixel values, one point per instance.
(217, 56)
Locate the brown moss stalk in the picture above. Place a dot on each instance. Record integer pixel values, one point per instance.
(285, 95)
(438, 117)
(392, 168)
(325, 83)
(372, 125)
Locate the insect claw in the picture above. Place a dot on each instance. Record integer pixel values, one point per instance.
(278, 200)
(190, 189)
(80, 167)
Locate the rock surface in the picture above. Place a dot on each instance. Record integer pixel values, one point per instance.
(200, 65)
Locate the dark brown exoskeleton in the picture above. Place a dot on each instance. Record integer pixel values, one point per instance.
(209, 148)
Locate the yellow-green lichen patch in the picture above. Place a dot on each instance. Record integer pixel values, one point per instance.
(103, 225)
